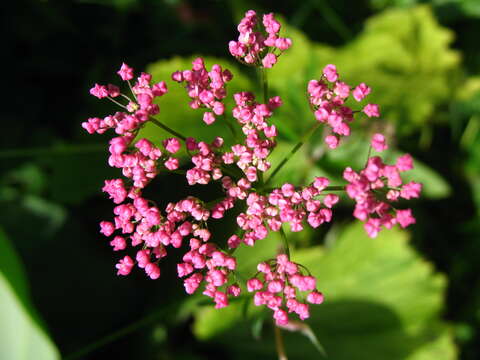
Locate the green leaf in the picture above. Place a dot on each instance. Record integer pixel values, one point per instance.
(174, 109)
(393, 55)
(355, 153)
(382, 302)
(22, 335)
(210, 321)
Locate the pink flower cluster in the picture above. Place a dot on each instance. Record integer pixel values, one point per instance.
(281, 286)
(218, 268)
(327, 98)
(376, 186)
(255, 46)
(206, 89)
(239, 170)
(138, 110)
(284, 205)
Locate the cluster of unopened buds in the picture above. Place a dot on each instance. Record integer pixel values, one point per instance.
(240, 169)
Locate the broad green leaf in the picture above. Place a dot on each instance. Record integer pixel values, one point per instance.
(355, 153)
(174, 109)
(22, 335)
(393, 55)
(210, 321)
(30, 176)
(382, 302)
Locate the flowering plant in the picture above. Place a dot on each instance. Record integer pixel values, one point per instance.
(244, 174)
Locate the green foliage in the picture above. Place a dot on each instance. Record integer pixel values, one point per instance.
(354, 154)
(467, 7)
(22, 335)
(382, 301)
(22, 194)
(393, 55)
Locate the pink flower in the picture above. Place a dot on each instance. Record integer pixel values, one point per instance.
(153, 271)
(330, 73)
(107, 228)
(405, 218)
(281, 317)
(315, 297)
(251, 44)
(172, 163)
(172, 145)
(332, 141)
(208, 118)
(371, 110)
(192, 283)
(372, 227)
(342, 89)
(404, 163)
(221, 300)
(330, 200)
(269, 60)
(124, 266)
(118, 243)
(283, 43)
(234, 290)
(411, 190)
(99, 91)
(125, 72)
(378, 142)
(361, 91)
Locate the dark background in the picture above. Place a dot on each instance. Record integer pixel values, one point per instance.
(51, 172)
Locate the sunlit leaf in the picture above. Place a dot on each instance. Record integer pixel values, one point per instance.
(382, 302)
(174, 109)
(22, 335)
(393, 55)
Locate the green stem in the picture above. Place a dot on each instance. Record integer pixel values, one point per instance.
(116, 102)
(285, 241)
(279, 344)
(302, 141)
(52, 151)
(230, 126)
(167, 129)
(328, 188)
(368, 155)
(264, 80)
(121, 333)
(335, 188)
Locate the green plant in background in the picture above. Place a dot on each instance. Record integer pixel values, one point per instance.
(22, 333)
(382, 298)
(142, 159)
(396, 49)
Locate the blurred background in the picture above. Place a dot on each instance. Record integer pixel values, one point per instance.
(405, 295)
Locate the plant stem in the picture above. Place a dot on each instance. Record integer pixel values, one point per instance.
(279, 344)
(56, 150)
(302, 141)
(285, 242)
(335, 188)
(167, 129)
(230, 126)
(264, 80)
(328, 188)
(122, 332)
(116, 102)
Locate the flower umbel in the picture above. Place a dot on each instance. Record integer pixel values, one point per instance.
(147, 232)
